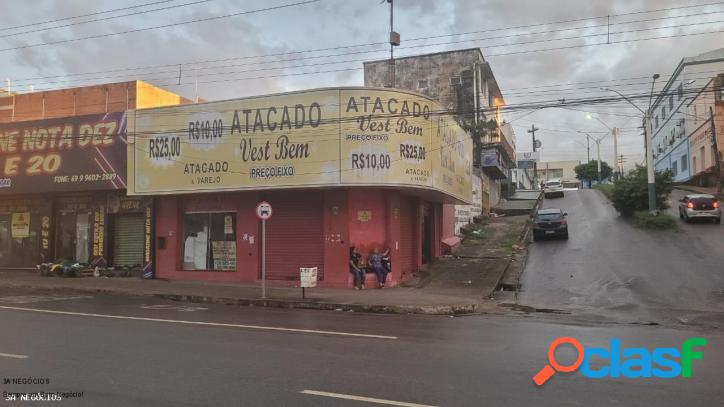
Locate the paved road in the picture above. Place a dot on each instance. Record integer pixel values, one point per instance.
(608, 269)
(467, 361)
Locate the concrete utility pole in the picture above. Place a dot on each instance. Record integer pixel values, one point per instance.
(716, 151)
(650, 176)
(598, 149)
(588, 148)
(614, 132)
(394, 41)
(532, 131)
(648, 135)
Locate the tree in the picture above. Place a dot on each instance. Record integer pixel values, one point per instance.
(589, 172)
(481, 133)
(630, 193)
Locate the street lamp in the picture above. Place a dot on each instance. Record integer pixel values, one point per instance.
(598, 149)
(648, 131)
(614, 131)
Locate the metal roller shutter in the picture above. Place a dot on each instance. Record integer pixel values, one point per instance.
(128, 240)
(294, 236)
(407, 236)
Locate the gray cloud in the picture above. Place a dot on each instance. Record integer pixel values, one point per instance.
(332, 23)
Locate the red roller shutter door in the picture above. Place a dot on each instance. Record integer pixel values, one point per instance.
(294, 235)
(407, 236)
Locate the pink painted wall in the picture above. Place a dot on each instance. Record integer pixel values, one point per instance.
(342, 228)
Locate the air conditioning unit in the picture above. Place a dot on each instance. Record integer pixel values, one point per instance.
(456, 81)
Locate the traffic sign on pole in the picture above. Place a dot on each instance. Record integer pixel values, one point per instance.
(263, 212)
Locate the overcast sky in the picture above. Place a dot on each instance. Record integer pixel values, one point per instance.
(235, 45)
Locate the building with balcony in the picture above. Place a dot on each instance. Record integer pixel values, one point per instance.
(670, 113)
(462, 81)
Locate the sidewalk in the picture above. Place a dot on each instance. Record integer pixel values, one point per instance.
(700, 190)
(449, 286)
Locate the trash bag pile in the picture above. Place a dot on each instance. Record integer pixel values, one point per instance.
(63, 268)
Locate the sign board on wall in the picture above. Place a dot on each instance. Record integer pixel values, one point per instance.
(529, 156)
(224, 253)
(20, 225)
(68, 154)
(349, 136)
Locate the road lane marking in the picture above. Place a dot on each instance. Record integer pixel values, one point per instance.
(182, 308)
(27, 299)
(176, 321)
(361, 398)
(10, 355)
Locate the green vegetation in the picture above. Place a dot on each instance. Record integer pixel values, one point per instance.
(497, 235)
(606, 189)
(630, 193)
(508, 238)
(662, 221)
(589, 172)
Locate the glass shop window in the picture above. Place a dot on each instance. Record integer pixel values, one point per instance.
(209, 241)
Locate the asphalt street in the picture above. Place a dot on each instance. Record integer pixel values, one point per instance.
(610, 270)
(126, 351)
(609, 280)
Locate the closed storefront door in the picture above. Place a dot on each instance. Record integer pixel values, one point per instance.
(24, 232)
(19, 240)
(128, 239)
(407, 236)
(294, 235)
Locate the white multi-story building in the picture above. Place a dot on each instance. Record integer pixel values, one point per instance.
(670, 112)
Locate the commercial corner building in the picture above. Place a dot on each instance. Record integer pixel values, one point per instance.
(340, 167)
(462, 81)
(172, 190)
(678, 112)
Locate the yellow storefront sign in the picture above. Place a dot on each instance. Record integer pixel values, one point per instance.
(328, 137)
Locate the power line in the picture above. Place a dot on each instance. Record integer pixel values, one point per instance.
(175, 83)
(84, 15)
(380, 43)
(198, 20)
(103, 19)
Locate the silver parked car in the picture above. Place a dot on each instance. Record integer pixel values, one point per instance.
(553, 188)
(699, 206)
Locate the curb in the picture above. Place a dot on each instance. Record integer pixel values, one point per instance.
(522, 239)
(689, 189)
(471, 308)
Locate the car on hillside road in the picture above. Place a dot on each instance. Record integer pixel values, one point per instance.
(553, 188)
(550, 223)
(699, 206)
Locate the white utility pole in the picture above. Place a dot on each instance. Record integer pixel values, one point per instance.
(615, 153)
(598, 148)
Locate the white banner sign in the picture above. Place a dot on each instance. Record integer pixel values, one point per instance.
(529, 156)
(308, 277)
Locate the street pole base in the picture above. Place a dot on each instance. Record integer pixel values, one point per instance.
(652, 198)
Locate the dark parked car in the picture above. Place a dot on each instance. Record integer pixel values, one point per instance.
(550, 223)
(699, 206)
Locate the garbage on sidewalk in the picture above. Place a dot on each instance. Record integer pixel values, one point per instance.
(71, 268)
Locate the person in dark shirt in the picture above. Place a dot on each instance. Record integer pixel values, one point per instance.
(355, 261)
(387, 261)
(376, 261)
